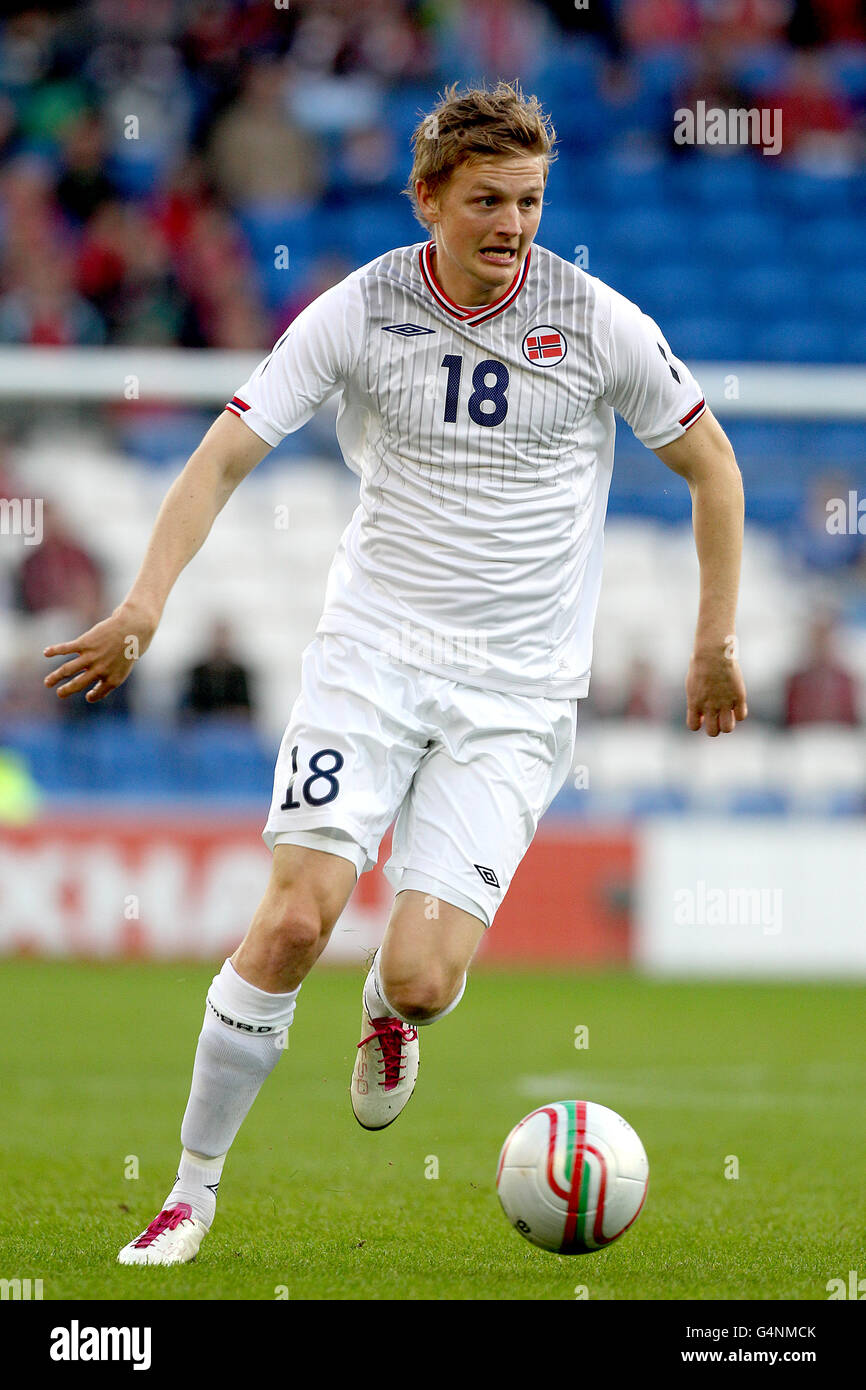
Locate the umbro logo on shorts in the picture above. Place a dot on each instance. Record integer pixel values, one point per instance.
(406, 330)
(488, 875)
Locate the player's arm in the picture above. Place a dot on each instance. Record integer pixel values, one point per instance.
(103, 657)
(715, 691)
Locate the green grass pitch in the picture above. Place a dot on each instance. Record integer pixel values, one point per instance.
(766, 1078)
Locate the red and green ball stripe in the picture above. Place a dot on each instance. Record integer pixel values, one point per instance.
(578, 1176)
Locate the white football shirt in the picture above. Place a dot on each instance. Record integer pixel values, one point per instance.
(484, 442)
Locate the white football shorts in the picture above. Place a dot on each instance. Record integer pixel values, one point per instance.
(467, 772)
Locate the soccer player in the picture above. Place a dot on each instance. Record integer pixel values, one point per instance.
(479, 375)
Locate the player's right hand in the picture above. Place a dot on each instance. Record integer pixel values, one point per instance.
(102, 657)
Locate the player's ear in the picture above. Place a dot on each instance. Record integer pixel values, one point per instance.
(427, 202)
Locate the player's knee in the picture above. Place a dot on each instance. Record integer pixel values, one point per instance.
(422, 996)
(301, 926)
(306, 899)
(290, 930)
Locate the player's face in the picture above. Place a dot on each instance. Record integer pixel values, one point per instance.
(484, 220)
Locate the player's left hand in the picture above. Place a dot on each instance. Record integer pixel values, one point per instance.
(715, 693)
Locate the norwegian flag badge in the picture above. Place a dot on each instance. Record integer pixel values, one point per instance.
(544, 346)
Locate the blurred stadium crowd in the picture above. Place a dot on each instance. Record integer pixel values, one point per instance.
(193, 174)
(154, 154)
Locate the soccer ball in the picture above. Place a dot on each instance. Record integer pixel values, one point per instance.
(572, 1176)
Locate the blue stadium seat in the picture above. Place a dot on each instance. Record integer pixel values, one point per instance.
(583, 122)
(708, 337)
(370, 227)
(574, 802)
(621, 184)
(844, 291)
(854, 347)
(644, 234)
(227, 755)
(129, 757)
(849, 803)
(77, 770)
(633, 117)
(565, 226)
(659, 500)
(572, 64)
(664, 290)
(727, 183)
(565, 82)
(157, 437)
(279, 283)
(810, 445)
(269, 225)
(801, 194)
(797, 340)
(738, 237)
(760, 68)
(771, 291)
(574, 180)
(848, 66)
(758, 802)
(404, 109)
(137, 178)
(830, 241)
(765, 441)
(857, 192)
(661, 802)
(842, 443)
(771, 504)
(42, 748)
(662, 68)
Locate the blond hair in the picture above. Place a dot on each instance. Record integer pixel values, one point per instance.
(474, 123)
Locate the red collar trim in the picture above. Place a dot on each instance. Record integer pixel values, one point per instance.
(484, 311)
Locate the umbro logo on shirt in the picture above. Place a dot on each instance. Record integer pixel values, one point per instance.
(488, 875)
(674, 374)
(406, 330)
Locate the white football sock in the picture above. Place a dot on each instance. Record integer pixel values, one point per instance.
(375, 1003)
(242, 1038)
(197, 1182)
